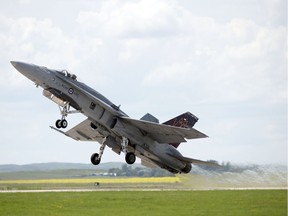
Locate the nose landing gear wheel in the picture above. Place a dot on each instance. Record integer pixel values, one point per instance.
(64, 123)
(61, 123)
(58, 123)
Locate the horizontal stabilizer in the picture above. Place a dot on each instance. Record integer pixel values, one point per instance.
(195, 161)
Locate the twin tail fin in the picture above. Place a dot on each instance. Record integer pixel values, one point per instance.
(185, 120)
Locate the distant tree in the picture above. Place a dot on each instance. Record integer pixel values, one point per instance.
(117, 171)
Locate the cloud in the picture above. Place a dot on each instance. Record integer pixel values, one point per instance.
(160, 56)
(276, 10)
(240, 30)
(174, 74)
(247, 66)
(226, 62)
(25, 2)
(132, 19)
(41, 42)
(263, 43)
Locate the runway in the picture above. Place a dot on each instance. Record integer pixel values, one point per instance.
(139, 189)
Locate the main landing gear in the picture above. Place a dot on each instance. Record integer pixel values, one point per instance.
(130, 157)
(96, 158)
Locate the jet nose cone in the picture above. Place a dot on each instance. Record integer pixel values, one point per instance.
(26, 69)
(19, 65)
(14, 63)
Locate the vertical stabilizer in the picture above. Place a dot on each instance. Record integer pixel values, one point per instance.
(150, 118)
(186, 120)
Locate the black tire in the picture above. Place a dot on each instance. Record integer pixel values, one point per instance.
(130, 158)
(94, 159)
(58, 124)
(64, 123)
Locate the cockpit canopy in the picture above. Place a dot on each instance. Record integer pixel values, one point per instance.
(67, 74)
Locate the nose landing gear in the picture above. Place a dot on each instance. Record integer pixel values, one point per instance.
(62, 123)
(64, 110)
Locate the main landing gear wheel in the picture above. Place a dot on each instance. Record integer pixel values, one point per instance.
(130, 158)
(61, 123)
(95, 159)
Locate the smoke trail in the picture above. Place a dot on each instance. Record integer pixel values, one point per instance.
(238, 176)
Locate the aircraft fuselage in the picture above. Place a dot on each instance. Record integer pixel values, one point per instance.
(63, 87)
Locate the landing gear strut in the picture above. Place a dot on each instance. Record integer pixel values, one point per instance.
(62, 123)
(130, 157)
(96, 158)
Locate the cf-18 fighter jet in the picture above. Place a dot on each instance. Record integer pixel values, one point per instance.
(155, 144)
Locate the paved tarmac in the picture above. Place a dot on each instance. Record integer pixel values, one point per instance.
(144, 189)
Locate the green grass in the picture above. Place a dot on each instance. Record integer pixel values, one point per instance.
(249, 202)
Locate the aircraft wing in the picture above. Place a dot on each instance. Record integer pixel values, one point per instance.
(83, 132)
(165, 133)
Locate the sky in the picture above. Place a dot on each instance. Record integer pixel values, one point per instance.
(224, 61)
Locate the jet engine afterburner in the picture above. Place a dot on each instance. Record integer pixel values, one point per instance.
(187, 168)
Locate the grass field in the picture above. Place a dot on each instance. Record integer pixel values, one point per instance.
(250, 202)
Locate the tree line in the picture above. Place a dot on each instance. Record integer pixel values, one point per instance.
(127, 170)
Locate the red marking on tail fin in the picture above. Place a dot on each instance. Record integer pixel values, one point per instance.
(186, 120)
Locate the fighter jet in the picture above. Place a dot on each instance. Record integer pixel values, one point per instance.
(154, 143)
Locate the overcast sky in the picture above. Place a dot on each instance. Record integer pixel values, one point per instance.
(224, 61)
